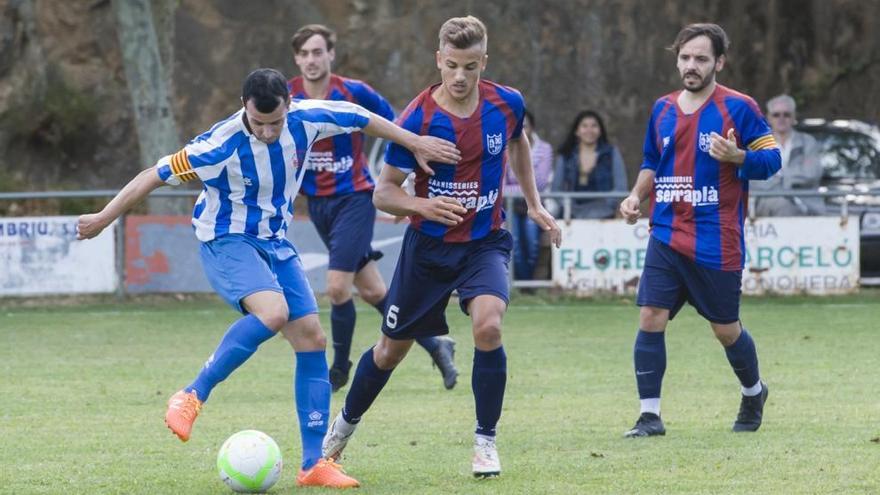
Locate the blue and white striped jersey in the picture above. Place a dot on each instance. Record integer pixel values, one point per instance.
(249, 186)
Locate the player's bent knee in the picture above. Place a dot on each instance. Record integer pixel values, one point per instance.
(338, 293)
(487, 334)
(306, 334)
(653, 319)
(388, 355)
(274, 319)
(371, 295)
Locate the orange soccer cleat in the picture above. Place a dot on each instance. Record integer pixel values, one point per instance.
(183, 408)
(326, 473)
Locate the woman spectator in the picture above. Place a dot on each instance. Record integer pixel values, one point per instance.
(526, 233)
(587, 162)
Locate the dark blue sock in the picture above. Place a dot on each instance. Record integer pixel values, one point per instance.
(239, 343)
(311, 390)
(743, 358)
(488, 379)
(380, 306)
(429, 343)
(649, 356)
(342, 319)
(368, 381)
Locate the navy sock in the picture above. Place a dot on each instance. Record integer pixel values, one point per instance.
(239, 344)
(380, 306)
(368, 381)
(743, 358)
(488, 379)
(342, 319)
(649, 357)
(311, 390)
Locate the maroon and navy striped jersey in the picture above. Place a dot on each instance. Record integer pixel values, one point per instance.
(337, 165)
(482, 140)
(699, 204)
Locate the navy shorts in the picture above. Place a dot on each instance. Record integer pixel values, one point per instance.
(345, 224)
(238, 265)
(670, 278)
(427, 272)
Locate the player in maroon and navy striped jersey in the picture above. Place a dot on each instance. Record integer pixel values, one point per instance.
(703, 145)
(455, 241)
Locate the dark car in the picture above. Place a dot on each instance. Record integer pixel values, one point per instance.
(851, 159)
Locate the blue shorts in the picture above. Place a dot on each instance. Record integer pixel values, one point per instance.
(345, 224)
(427, 272)
(670, 278)
(238, 265)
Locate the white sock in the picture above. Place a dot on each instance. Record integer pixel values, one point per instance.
(753, 390)
(650, 405)
(484, 438)
(344, 427)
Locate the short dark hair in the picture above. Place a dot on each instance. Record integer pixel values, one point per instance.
(303, 34)
(571, 140)
(267, 88)
(720, 41)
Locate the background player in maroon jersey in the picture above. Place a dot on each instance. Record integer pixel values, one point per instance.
(340, 190)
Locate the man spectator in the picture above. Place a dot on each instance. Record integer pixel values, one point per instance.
(800, 166)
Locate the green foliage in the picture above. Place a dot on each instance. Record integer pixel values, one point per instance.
(85, 387)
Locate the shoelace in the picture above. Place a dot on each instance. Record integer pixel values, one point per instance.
(190, 407)
(486, 451)
(332, 464)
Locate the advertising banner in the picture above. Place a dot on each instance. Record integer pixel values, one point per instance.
(797, 255)
(40, 256)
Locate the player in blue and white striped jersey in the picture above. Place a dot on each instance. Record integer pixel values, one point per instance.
(248, 164)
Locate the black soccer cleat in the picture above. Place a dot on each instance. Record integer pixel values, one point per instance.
(751, 411)
(444, 358)
(339, 376)
(648, 425)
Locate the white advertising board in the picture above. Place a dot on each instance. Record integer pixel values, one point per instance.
(803, 255)
(40, 255)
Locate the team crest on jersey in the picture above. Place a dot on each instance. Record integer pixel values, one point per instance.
(494, 143)
(705, 142)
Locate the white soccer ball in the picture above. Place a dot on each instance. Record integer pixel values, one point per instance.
(249, 462)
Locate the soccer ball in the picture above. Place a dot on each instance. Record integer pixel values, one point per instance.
(249, 462)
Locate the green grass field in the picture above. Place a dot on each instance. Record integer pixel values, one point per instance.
(84, 388)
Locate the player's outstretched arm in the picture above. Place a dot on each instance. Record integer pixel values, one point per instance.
(629, 207)
(391, 198)
(424, 148)
(134, 192)
(521, 163)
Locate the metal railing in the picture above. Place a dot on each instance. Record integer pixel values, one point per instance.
(566, 198)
